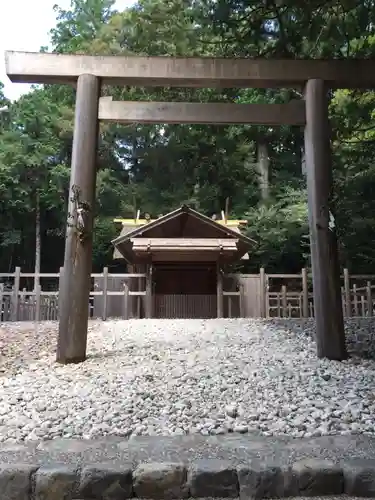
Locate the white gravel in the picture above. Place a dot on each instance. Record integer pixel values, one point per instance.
(174, 377)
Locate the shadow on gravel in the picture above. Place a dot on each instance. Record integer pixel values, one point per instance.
(104, 355)
(359, 332)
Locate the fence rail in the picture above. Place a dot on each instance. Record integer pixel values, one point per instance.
(252, 295)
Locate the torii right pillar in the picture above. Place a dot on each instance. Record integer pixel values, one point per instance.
(330, 334)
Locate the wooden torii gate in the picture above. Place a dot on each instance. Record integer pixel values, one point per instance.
(88, 73)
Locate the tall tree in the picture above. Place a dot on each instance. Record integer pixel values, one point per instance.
(155, 168)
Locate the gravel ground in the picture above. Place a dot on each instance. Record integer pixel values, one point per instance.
(172, 377)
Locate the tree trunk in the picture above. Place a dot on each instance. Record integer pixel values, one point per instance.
(226, 211)
(263, 170)
(303, 161)
(196, 190)
(38, 246)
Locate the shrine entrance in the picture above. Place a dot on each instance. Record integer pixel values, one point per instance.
(89, 73)
(184, 253)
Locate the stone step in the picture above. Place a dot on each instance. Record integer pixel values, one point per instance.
(163, 468)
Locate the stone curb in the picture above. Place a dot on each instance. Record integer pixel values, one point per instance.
(200, 479)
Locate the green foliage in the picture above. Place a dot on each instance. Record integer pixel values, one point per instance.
(4, 109)
(156, 168)
(105, 232)
(281, 230)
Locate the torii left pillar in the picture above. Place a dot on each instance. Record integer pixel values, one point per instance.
(76, 279)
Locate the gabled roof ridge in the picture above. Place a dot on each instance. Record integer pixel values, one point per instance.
(156, 222)
(176, 213)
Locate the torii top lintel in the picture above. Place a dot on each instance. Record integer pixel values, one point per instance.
(30, 67)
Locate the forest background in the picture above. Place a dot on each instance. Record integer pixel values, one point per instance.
(157, 168)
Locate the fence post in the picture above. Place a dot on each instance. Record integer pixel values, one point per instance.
(369, 299)
(363, 306)
(312, 312)
(242, 301)
(348, 300)
(15, 295)
(37, 302)
(343, 301)
(284, 300)
(300, 306)
(355, 300)
(305, 294)
(2, 313)
(219, 293)
(25, 312)
(149, 292)
(105, 293)
(263, 293)
(139, 297)
(279, 308)
(61, 277)
(126, 300)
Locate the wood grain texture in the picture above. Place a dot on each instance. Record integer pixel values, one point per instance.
(292, 113)
(30, 67)
(330, 336)
(76, 280)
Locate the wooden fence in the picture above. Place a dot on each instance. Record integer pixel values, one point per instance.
(248, 295)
